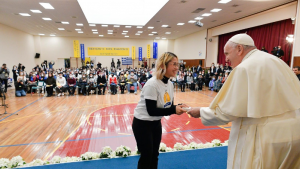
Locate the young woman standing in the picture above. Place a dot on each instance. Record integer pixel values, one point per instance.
(156, 101)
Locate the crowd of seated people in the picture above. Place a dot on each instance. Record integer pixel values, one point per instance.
(87, 80)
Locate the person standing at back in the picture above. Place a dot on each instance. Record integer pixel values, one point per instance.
(4, 74)
(156, 101)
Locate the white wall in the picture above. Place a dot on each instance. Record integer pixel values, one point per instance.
(188, 47)
(296, 49)
(16, 47)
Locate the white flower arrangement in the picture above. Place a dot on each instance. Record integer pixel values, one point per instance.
(178, 146)
(106, 152)
(90, 156)
(4, 163)
(55, 160)
(17, 162)
(123, 151)
(162, 147)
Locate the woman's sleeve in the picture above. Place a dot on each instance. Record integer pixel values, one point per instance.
(151, 95)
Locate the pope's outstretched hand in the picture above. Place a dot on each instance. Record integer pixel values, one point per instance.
(194, 112)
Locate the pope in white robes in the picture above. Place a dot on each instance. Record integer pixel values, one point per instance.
(261, 97)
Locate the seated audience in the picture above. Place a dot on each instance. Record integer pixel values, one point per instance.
(101, 83)
(60, 83)
(143, 79)
(33, 82)
(211, 83)
(208, 76)
(50, 84)
(92, 83)
(71, 84)
(20, 86)
(113, 84)
(190, 81)
(200, 81)
(132, 80)
(217, 84)
(296, 70)
(181, 81)
(83, 84)
(122, 82)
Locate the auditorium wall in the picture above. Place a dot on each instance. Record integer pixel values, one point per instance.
(296, 49)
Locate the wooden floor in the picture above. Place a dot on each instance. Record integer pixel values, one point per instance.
(45, 127)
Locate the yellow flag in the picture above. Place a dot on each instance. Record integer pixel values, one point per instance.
(148, 51)
(133, 52)
(76, 49)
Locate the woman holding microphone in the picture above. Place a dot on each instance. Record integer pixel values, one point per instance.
(156, 101)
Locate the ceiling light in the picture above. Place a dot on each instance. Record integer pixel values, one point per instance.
(92, 24)
(61, 29)
(139, 27)
(168, 32)
(150, 27)
(78, 29)
(79, 24)
(41, 34)
(52, 35)
(101, 35)
(140, 11)
(35, 11)
(154, 32)
(137, 34)
(192, 21)
(47, 19)
(110, 33)
(164, 26)
(157, 38)
(198, 18)
(180, 24)
(24, 14)
(94, 30)
(140, 32)
(63, 22)
(109, 30)
(127, 26)
(206, 14)
(104, 25)
(163, 38)
(80, 32)
(125, 31)
(224, 1)
(150, 34)
(116, 26)
(126, 36)
(47, 5)
(215, 10)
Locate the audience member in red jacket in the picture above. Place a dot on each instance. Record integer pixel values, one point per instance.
(71, 84)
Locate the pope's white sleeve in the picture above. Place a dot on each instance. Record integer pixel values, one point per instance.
(211, 117)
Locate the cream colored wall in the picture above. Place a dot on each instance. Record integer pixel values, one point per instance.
(280, 13)
(296, 49)
(16, 47)
(188, 47)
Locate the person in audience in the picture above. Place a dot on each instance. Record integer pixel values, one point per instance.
(44, 66)
(60, 83)
(20, 87)
(51, 65)
(92, 83)
(92, 64)
(279, 52)
(83, 83)
(132, 80)
(101, 83)
(122, 82)
(4, 75)
(33, 82)
(208, 76)
(264, 49)
(217, 84)
(296, 70)
(143, 79)
(153, 65)
(15, 73)
(50, 84)
(200, 81)
(213, 68)
(181, 67)
(181, 81)
(99, 65)
(227, 68)
(211, 83)
(21, 67)
(199, 68)
(189, 80)
(113, 83)
(71, 84)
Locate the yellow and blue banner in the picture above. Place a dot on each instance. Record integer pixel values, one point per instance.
(133, 52)
(148, 51)
(154, 50)
(140, 54)
(108, 51)
(76, 48)
(82, 52)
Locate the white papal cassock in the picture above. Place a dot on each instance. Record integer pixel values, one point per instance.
(261, 98)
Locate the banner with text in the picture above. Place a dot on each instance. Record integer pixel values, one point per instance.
(140, 54)
(104, 51)
(82, 52)
(133, 52)
(76, 48)
(127, 61)
(148, 51)
(154, 50)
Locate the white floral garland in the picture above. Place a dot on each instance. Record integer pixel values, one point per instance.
(107, 152)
